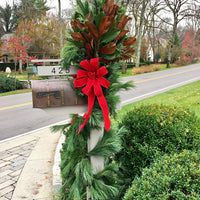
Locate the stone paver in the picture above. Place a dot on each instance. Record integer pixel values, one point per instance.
(12, 162)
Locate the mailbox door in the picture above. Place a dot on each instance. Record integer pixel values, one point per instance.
(54, 93)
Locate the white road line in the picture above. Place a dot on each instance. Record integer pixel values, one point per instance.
(158, 91)
(122, 104)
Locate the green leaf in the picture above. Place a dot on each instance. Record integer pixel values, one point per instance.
(111, 56)
(98, 18)
(110, 35)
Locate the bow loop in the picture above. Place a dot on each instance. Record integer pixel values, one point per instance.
(93, 79)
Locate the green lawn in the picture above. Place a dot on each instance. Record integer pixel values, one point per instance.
(187, 96)
(14, 92)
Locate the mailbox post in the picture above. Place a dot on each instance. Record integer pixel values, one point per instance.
(31, 70)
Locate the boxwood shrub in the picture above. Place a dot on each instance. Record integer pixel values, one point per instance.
(8, 84)
(152, 131)
(171, 177)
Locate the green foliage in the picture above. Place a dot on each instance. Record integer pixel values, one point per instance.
(170, 177)
(95, 26)
(8, 84)
(157, 57)
(76, 55)
(76, 169)
(153, 130)
(94, 35)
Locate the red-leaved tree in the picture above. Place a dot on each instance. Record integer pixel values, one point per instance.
(19, 51)
(190, 44)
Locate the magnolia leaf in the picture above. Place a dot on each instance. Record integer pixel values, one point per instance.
(74, 26)
(89, 50)
(92, 29)
(121, 35)
(77, 37)
(78, 24)
(110, 35)
(126, 57)
(109, 49)
(92, 43)
(130, 51)
(116, 8)
(111, 56)
(130, 41)
(89, 17)
(88, 37)
(122, 23)
(110, 9)
(105, 24)
(110, 3)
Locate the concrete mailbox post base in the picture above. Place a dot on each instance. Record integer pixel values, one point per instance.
(97, 162)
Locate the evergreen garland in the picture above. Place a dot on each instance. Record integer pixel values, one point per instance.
(98, 30)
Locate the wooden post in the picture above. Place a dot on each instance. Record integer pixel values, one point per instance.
(97, 162)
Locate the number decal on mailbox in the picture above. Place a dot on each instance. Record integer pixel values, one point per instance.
(55, 71)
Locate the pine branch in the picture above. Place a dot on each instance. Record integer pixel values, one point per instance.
(109, 144)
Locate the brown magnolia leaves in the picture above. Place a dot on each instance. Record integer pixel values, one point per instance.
(109, 49)
(122, 23)
(77, 37)
(109, 8)
(92, 29)
(105, 24)
(91, 35)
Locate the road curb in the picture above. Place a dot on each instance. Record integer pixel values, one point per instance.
(57, 180)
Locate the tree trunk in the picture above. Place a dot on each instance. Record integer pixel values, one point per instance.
(20, 66)
(124, 67)
(171, 45)
(140, 35)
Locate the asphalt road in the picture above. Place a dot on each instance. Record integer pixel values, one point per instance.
(18, 117)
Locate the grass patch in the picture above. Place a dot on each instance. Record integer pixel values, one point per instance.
(147, 69)
(15, 92)
(143, 69)
(187, 96)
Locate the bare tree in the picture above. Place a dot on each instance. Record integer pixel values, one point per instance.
(180, 9)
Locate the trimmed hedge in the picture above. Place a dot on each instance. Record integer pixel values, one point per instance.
(8, 84)
(169, 178)
(141, 64)
(152, 131)
(4, 65)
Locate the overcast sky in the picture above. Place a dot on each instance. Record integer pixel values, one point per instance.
(51, 3)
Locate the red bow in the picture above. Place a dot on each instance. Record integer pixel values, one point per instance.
(93, 79)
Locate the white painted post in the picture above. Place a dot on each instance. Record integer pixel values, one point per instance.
(97, 162)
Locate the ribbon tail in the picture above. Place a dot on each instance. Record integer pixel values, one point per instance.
(104, 106)
(91, 99)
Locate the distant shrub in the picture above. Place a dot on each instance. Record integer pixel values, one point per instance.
(152, 131)
(8, 84)
(156, 67)
(184, 60)
(171, 177)
(146, 69)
